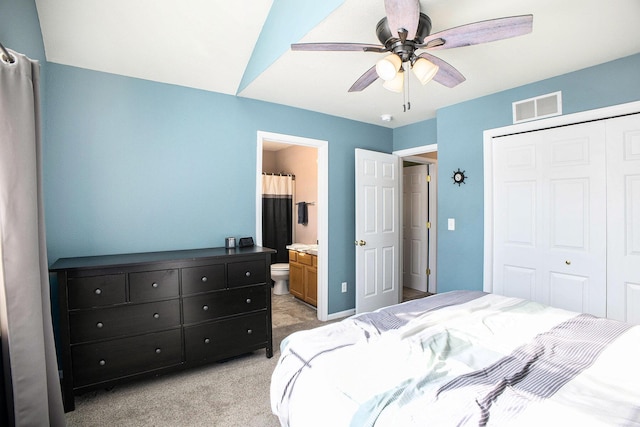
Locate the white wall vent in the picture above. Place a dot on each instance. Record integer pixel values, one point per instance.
(537, 108)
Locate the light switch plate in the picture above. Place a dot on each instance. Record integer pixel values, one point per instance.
(451, 224)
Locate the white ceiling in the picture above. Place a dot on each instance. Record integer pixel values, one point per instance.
(207, 44)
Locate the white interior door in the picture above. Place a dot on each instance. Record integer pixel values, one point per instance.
(623, 221)
(550, 217)
(377, 230)
(432, 281)
(415, 253)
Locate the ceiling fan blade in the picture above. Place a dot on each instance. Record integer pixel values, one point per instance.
(365, 80)
(341, 47)
(403, 14)
(479, 32)
(447, 75)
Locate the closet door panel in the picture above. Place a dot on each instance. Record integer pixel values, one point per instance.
(520, 282)
(568, 291)
(623, 221)
(569, 214)
(550, 215)
(515, 218)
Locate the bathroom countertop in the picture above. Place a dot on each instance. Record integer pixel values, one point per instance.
(303, 247)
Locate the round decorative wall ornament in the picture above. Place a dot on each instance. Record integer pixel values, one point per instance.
(458, 177)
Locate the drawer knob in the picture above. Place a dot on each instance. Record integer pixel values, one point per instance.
(154, 285)
(205, 307)
(204, 278)
(102, 362)
(158, 351)
(98, 291)
(207, 340)
(99, 325)
(248, 300)
(156, 315)
(249, 331)
(248, 274)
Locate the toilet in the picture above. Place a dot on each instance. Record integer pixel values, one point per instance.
(280, 275)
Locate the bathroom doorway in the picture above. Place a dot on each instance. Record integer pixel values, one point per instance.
(307, 160)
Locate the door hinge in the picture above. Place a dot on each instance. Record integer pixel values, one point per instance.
(428, 178)
(428, 271)
(428, 224)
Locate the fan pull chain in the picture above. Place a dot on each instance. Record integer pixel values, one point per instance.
(406, 94)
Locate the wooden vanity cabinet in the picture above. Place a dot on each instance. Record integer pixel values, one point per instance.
(303, 276)
(133, 315)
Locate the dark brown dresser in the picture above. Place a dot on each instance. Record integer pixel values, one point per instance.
(132, 315)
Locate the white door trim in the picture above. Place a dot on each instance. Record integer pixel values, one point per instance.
(488, 135)
(322, 207)
(416, 150)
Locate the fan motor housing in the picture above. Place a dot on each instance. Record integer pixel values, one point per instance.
(405, 50)
(385, 36)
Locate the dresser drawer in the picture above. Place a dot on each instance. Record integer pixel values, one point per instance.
(293, 256)
(93, 363)
(225, 338)
(123, 320)
(246, 273)
(96, 291)
(214, 305)
(203, 279)
(153, 285)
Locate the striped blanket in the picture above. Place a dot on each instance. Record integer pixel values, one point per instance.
(461, 359)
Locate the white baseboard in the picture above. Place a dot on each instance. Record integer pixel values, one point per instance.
(341, 314)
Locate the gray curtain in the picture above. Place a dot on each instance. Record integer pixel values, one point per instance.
(31, 380)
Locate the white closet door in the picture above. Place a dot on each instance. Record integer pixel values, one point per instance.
(623, 200)
(550, 217)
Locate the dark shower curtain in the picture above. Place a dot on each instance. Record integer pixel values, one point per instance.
(277, 207)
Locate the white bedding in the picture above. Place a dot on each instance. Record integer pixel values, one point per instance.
(461, 358)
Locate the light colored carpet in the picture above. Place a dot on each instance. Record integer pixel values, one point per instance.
(233, 393)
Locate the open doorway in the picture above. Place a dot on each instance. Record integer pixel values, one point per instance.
(271, 142)
(419, 221)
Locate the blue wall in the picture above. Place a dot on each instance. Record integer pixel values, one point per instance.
(416, 135)
(20, 28)
(133, 165)
(460, 137)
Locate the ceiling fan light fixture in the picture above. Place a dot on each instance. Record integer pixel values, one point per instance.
(424, 70)
(396, 83)
(387, 68)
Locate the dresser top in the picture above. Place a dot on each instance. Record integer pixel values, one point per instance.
(152, 257)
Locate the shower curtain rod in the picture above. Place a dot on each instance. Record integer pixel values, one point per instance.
(279, 174)
(6, 53)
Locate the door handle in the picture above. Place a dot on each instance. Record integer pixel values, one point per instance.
(567, 262)
(360, 242)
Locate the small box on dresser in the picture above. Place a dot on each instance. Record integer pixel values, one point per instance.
(132, 315)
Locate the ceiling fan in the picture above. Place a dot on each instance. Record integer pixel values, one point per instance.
(405, 30)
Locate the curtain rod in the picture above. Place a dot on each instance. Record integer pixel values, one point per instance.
(6, 53)
(279, 174)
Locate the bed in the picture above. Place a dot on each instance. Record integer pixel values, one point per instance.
(461, 358)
